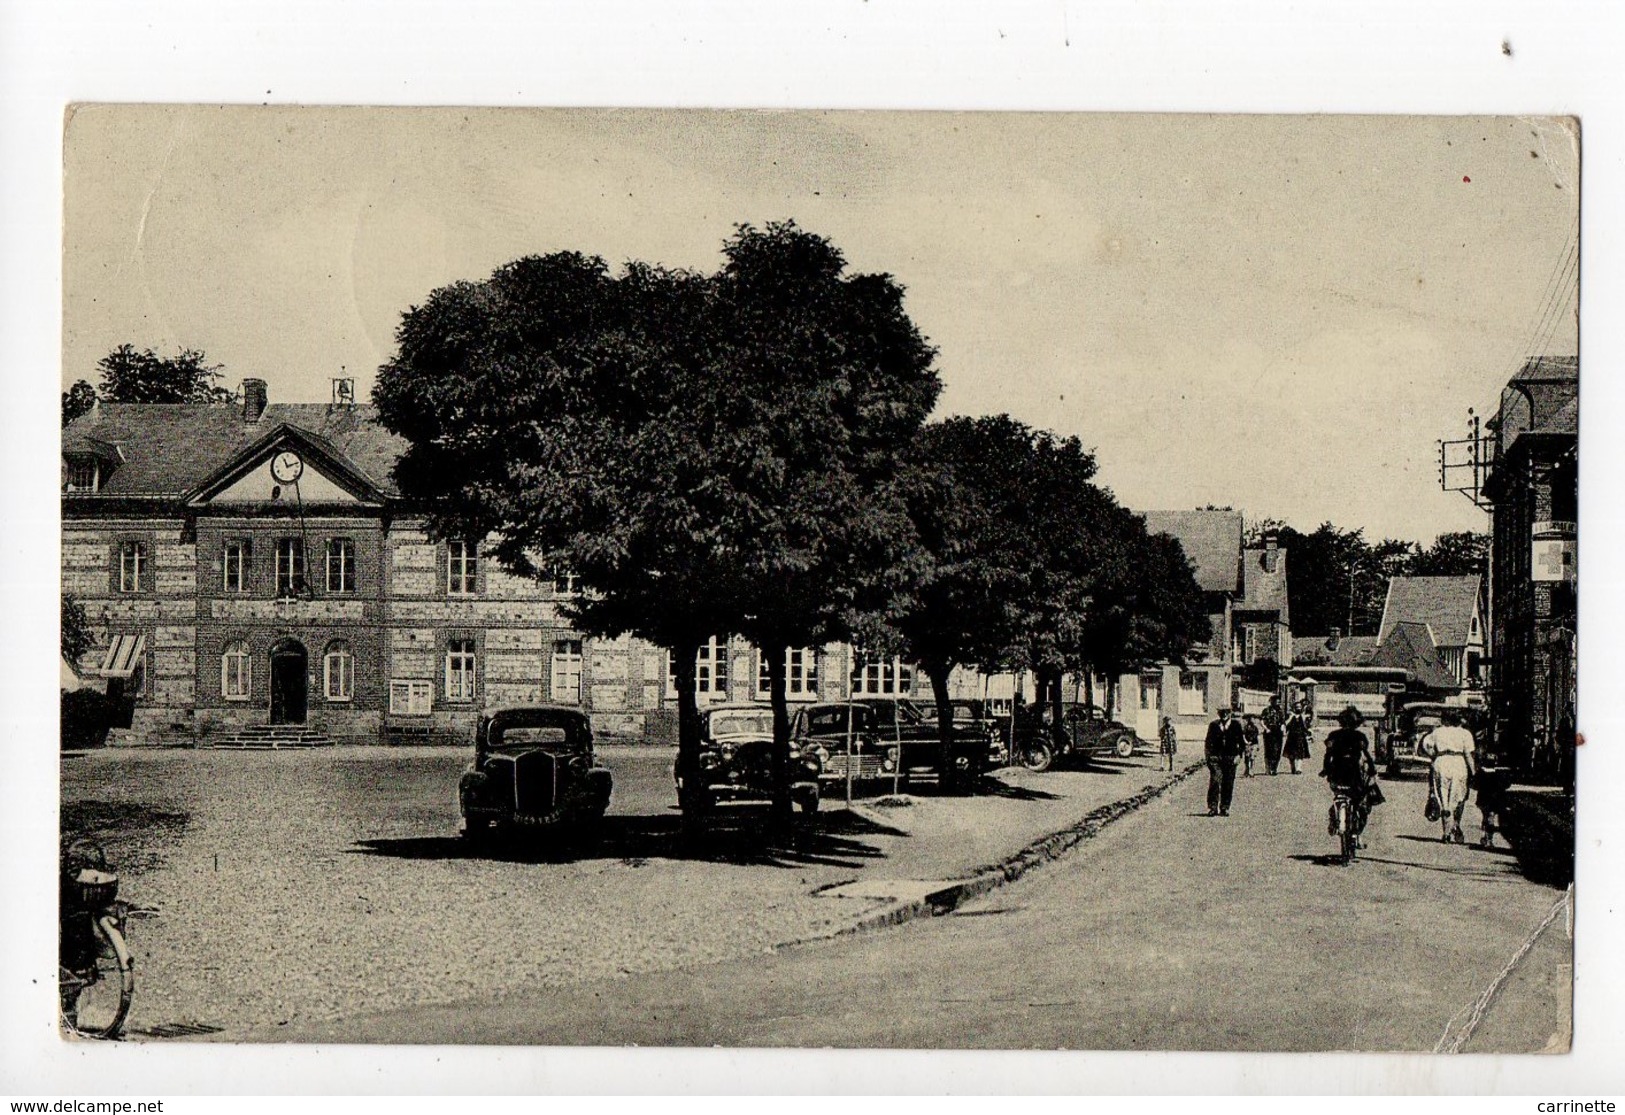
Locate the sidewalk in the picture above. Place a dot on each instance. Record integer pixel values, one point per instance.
(939, 852)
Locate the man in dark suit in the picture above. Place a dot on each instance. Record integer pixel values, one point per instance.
(1224, 746)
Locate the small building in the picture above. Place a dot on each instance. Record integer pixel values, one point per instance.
(1452, 611)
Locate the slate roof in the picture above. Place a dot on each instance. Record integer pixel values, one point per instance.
(1262, 589)
(171, 448)
(1444, 604)
(1549, 367)
(1410, 646)
(1211, 541)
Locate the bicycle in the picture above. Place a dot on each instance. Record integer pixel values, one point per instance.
(1341, 825)
(96, 973)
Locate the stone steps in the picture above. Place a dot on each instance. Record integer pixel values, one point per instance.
(270, 737)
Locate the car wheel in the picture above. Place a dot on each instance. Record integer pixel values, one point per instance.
(1125, 746)
(1037, 756)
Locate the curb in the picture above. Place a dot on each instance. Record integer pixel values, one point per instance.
(1044, 850)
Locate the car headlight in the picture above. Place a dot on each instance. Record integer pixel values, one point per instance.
(727, 752)
(892, 754)
(811, 764)
(709, 761)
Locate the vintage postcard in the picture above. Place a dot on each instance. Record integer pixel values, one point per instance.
(819, 579)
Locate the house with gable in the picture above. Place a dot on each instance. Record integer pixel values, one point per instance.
(1451, 612)
(251, 575)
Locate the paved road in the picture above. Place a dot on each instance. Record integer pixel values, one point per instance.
(1171, 931)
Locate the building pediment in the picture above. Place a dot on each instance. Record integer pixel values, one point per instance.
(324, 477)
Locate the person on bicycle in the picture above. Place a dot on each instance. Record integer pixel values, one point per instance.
(1348, 768)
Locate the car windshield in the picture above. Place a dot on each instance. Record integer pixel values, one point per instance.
(541, 728)
(741, 722)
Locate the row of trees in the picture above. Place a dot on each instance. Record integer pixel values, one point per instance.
(748, 452)
(1336, 578)
(131, 376)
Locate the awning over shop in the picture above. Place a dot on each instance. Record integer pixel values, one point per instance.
(123, 656)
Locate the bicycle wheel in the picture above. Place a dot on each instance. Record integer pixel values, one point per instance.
(1345, 831)
(95, 1000)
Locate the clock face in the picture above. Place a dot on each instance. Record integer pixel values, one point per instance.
(286, 467)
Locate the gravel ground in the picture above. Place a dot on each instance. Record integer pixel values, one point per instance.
(300, 886)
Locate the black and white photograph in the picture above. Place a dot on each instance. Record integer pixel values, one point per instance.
(819, 579)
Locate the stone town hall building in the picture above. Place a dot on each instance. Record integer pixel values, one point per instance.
(251, 566)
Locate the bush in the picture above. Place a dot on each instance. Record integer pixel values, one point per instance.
(86, 717)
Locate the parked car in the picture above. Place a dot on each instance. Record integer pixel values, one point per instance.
(734, 762)
(826, 730)
(973, 713)
(1086, 731)
(534, 770)
(1402, 747)
(912, 739)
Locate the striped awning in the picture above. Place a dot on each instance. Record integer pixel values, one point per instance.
(123, 656)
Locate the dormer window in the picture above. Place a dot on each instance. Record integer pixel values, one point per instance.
(84, 474)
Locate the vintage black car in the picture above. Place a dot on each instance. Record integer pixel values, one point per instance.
(1402, 747)
(1086, 731)
(533, 769)
(830, 732)
(734, 762)
(909, 736)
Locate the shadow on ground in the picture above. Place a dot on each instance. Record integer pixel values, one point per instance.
(1540, 828)
(734, 835)
(129, 832)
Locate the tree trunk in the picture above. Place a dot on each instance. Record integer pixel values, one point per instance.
(688, 712)
(946, 774)
(1052, 689)
(774, 653)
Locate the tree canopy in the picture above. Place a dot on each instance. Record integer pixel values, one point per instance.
(1028, 563)
(129, 376)
(710, 454)
(77, 400)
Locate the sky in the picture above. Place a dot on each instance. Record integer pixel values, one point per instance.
(1280, 314)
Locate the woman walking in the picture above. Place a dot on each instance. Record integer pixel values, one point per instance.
(1298, 736)
(1451, 748)
(1169, 740)
(1273, 722)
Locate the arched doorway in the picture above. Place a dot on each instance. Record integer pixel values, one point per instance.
(290, 671)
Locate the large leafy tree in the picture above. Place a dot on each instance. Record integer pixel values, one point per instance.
(131, 376)
(975, 483)
(1009, 579)
(1154, 613)
(711, 454)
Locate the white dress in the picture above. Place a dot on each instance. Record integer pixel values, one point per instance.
(1450, 745)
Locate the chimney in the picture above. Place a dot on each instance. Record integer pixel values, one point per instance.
(253, 400)
(344, 391)
(1334, 638)
(1272, 550)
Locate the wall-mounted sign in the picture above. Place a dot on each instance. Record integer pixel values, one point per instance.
(1553, 559)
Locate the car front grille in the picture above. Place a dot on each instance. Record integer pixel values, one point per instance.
(863, 766)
